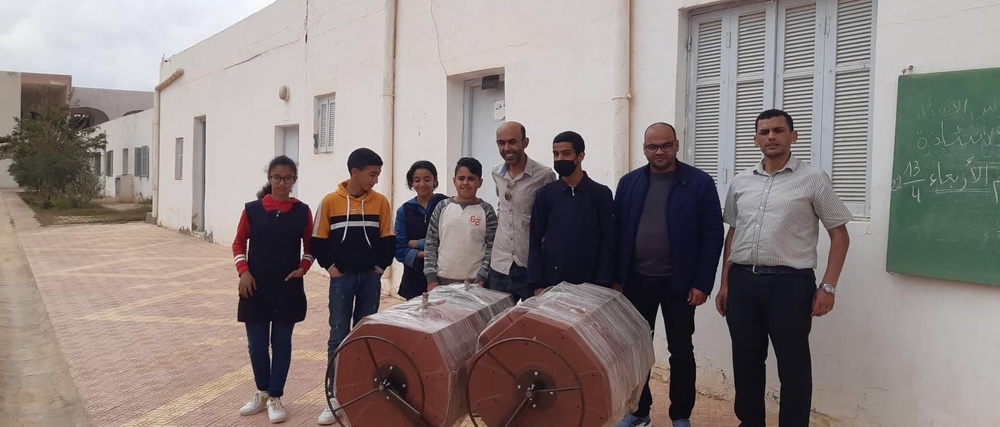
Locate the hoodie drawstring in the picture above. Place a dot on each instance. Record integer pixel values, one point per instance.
(363, 223)
(348, 227)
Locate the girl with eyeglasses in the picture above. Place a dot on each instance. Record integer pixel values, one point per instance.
(272, 295)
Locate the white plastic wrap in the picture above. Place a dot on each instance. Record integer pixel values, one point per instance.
(597, 320)
(439, 336)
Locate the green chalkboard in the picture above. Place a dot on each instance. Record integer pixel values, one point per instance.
(944, 218)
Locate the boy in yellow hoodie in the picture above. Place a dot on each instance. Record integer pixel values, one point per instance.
(352, 239)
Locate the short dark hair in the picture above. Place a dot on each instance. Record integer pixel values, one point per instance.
(573, 138)
(275, 162)
(471, 164)
(362, 158)
(420, 164)
(770, 114)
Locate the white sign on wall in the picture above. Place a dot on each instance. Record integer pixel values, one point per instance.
(499, 110)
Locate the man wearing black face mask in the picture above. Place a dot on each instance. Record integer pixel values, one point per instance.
(572, 227)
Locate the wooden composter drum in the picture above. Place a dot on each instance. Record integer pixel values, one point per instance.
(407, 365)
(577, 355)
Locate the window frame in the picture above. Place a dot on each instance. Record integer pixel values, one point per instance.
(325, 142)
(178, 159)
(109, 163)
(825, 73)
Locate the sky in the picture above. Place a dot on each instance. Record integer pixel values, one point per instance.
(114, 44)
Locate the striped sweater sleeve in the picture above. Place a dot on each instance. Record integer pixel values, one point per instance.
(307, 256)
(319, 242)
(431, 243)
(491, 231)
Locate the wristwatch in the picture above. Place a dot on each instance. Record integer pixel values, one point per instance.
(828, 288)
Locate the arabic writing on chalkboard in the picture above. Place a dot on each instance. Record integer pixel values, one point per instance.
(970, 132)
(973, 177)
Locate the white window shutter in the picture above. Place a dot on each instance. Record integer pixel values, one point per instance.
(323, 133)
(707, 92)
(751, 36)
(798, 37)
(179, 158)
(145, 161)
(851, 103)
(331, 122)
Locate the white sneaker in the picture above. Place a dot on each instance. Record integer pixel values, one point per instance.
(275, 411)
(255, 404)
(326, 418)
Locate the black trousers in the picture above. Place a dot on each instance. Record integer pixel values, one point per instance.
(779, 307)
(648, 294)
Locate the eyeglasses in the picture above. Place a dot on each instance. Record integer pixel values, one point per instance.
(665, 147)
(277, 179)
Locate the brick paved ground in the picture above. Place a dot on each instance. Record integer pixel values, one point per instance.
(146, 318)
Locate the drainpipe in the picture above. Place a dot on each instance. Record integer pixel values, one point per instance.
(156, 140)
(389, 106)
(621, 149)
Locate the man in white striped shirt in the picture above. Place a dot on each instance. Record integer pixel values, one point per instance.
(768, 279)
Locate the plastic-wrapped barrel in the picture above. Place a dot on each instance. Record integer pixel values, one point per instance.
(577, 355)
(418, 351)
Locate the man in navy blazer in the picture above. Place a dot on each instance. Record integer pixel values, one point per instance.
(670, 237)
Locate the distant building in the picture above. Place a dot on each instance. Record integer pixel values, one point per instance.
(21, 94)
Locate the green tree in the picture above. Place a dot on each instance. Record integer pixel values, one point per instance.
(52, 153)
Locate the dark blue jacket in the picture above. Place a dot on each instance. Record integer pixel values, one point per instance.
(572, 236)
(411, 224)
(694, 225)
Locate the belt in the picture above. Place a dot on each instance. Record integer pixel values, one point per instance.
(768, 269)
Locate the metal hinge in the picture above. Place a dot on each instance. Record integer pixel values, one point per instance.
(689, 44)
(728, 38)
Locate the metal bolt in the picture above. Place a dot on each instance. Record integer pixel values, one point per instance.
(536, 373)
(533, 405)
(390, 368)
(404, 385)
(518, 387)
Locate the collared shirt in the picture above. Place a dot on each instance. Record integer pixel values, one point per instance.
(514, 212)
(776, 215)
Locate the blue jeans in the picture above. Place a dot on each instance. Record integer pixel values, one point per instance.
(270, 373)
(515, 283)
(353, 297)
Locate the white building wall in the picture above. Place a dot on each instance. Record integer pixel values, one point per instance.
(10, 107)
(558, 76)
(897, 350)
(232, 81)
(130, 132)
(343, 57)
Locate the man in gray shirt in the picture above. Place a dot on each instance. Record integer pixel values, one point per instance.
(669, 239)
(517, 180)
(768, 280)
